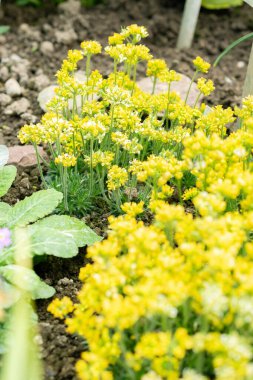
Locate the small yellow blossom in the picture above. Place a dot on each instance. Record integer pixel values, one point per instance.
(61, 307)
(201, 65)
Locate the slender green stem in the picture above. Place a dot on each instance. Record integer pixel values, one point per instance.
(189, 89)
(134, 78)
(65, 188)
(91, 166)
(39, 166)
(154, 85)
(197, 100)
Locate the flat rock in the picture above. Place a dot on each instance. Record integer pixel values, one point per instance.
(12, 87)
(24, 156)
(180, 88)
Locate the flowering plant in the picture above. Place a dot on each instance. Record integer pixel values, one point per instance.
(100, 129)
(174, 300)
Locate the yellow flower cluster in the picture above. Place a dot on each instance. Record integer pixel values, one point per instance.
(201, 65)
(61, 307)
(66, 160)
(206, 87)
(171, 298)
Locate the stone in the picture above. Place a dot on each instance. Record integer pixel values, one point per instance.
(12, 87)
(180, 88)
(29, 118)
(71, 7)
(4, 74)
(4, 100)
(66, 37)
(29, 32)
(240, 64)
(47, 48)
(45, 96)
(40, 82)
(18, 107)
(24, 156)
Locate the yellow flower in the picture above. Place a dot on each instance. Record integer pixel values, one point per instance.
(156, 67)
(133, 209)
(61, 307)
(66, 160)
(91, 48)
(206, 87)
(117, 177)
(201, 65)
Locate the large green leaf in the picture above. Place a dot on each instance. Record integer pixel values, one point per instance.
(70, 227)
(7, 176)
(4, 155)
(34, 207)
(51, 242)
(60, 236)
(5, 210)
(30, 281)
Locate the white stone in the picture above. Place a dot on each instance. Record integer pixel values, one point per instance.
(45, 96)
(47, 48)
(18, 107)
(71, 7)
(12, 87)
(66, 37)
(41, 81)
(5, 99)
(4, 74)
(240, 64)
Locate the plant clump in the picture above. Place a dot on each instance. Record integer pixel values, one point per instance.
(100, 130)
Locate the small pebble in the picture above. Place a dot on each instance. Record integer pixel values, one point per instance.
(47, 48)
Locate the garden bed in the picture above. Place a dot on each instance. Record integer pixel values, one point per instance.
(28, 32)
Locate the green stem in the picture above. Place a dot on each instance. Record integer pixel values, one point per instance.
(39, 166)
(65, 188)
(189, 89)
(154, 84)
(91, 166)
(134, 78)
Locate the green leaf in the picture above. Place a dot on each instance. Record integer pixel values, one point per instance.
(4, 154)
(51, 242)
(60, 235)
(31, 282)
(68, 226)
(5, 210)
(35, 207)
(247, 37)
(7, 176)
(4, 29)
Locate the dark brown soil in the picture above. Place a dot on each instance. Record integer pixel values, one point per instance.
(162, 18)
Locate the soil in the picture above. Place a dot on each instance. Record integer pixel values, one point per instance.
(31, 26)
